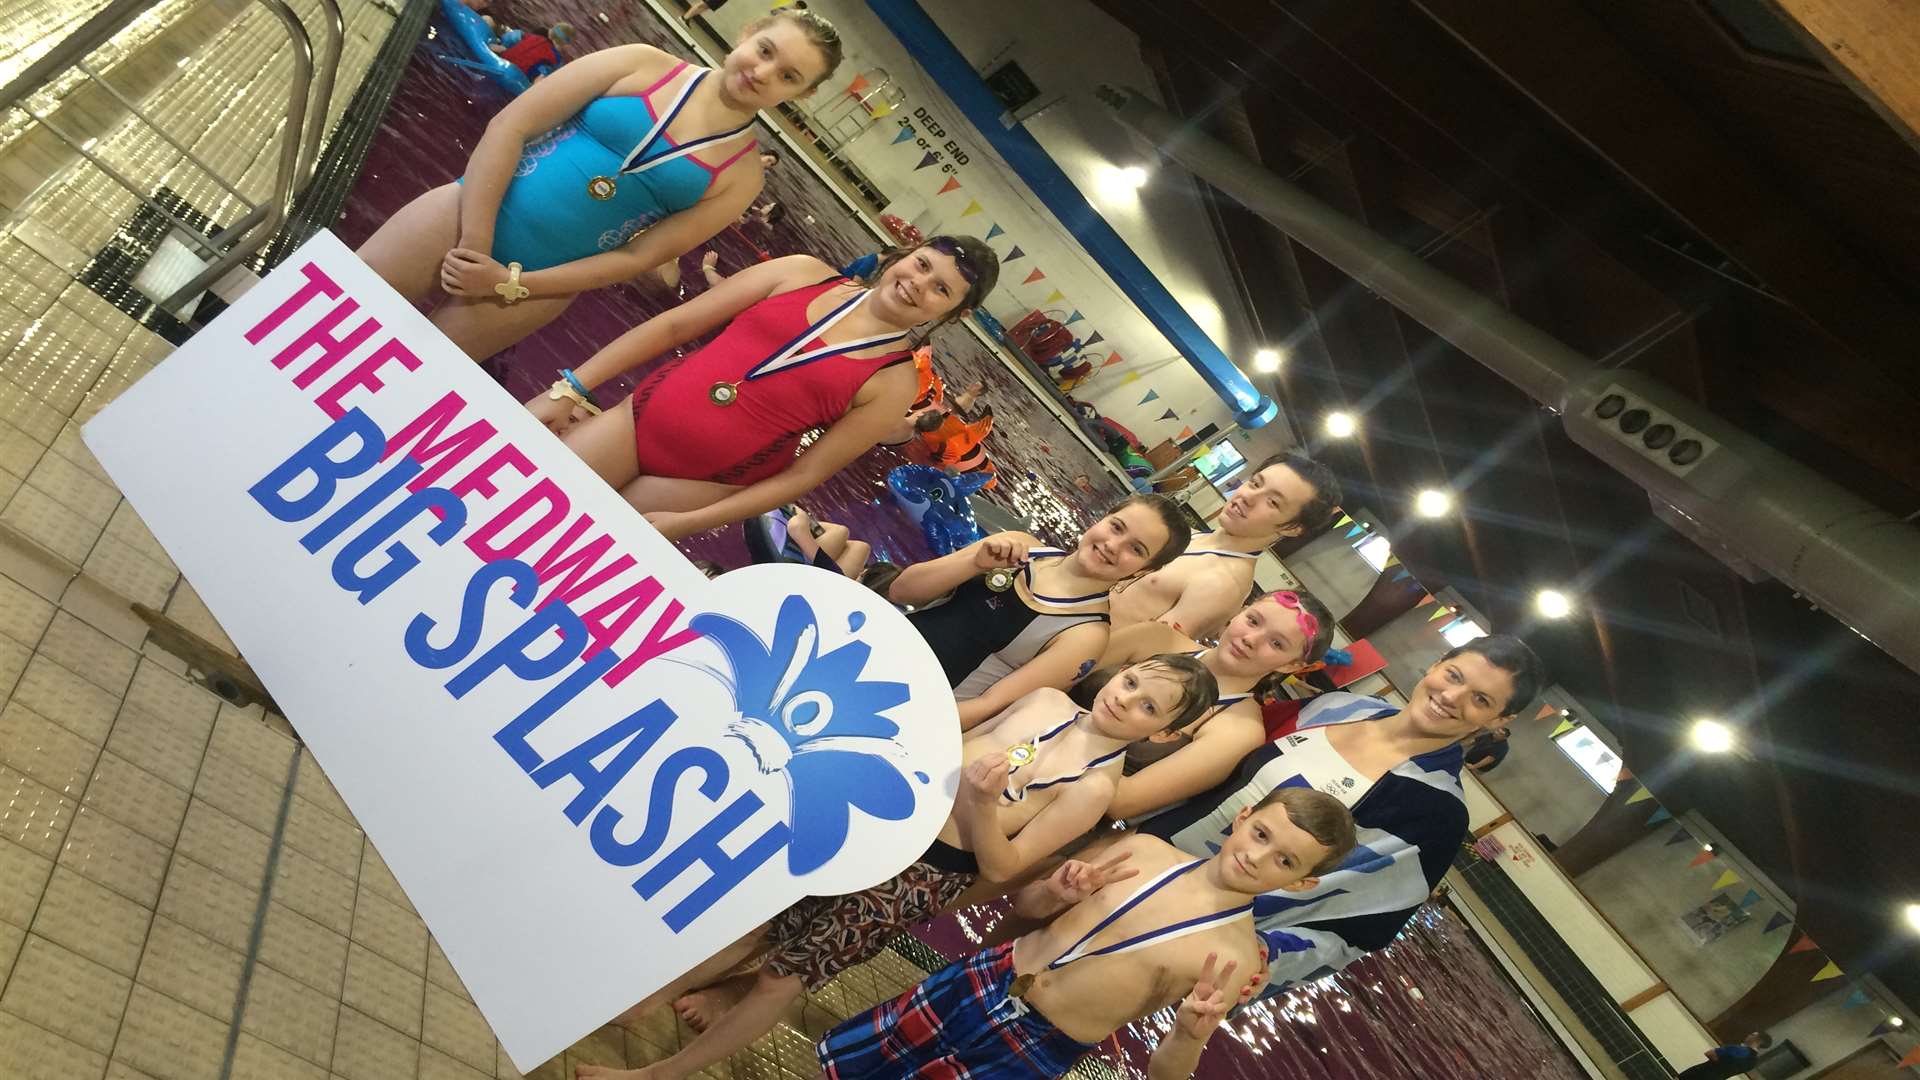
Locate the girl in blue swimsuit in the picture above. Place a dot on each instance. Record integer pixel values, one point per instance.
(616, 163)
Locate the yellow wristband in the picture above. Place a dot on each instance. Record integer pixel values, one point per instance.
(560, 391)
(511, 290)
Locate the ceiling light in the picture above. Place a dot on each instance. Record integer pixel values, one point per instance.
(1266, 361)
(1132, 176)
(1433, 503)
(1712, 736)
(1913, 916)
(1896, 1022)
(1552, 603)
(1340, 425)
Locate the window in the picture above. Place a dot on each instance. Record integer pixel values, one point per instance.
(1376, 549)
(1220, 463)
(1594, 757)
(1462, 630)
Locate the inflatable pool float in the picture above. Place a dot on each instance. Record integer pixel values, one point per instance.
(938, 504)
(471, 35)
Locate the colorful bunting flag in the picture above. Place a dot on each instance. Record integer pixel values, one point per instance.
(859, 82)
(1345, 519)
(929, 158)
(1169, 415)
(1880, 1029)
(1392, 560)
(1185, 434)
(1402, 574)
(1679, 835)
(1727, 877)
(1436, 616)
(1355, 531)
(1129, 377)
(1831, 971)
(1912, 1058)
(1054, 297)
(1805, 944)
(885, 108)
(1560, 729)
(1752, 898)
(1660, 815)
(1016, 253)
(905, 135)
(1856, 999)
(995, 230)
(1639, 796)
(1074, 318)
(1037, 275)
(973, 207)
(1094, 338)
(1152, 395)
(1776, 922)
(952, 184)
(1428, 599)
(1700, 858)
(1113, 359)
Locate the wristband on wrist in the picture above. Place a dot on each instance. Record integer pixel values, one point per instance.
(574, 381)
(510, 290)
(561, 391)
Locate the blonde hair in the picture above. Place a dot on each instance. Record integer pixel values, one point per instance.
(821, 34)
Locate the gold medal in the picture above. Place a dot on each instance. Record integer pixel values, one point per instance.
(723, 393)
(1000, 580)
(1022, 754)
(602, 187)
(1020, 986)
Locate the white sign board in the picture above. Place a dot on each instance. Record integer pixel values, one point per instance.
(589, 766)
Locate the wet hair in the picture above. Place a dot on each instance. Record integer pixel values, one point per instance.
(709, 567)
(820, 33)
(986, 273)
(879, 576)
(1320, 816)
(929, 420)
(1269, 684)
(768, 151)
(1511, 655)
(774, 212)
(1318, 511)
(1199, 690)
(1178, 531)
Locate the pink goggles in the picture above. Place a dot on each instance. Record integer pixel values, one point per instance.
(1309, 625)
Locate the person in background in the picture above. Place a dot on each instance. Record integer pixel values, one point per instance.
(535, 52)
(1726, 1062)
(1488, 750)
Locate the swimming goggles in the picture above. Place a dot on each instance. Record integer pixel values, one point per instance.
(961, 260)
(1309, 625)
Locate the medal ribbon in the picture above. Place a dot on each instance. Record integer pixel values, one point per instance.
(1053, 601)
(1037, 785)
(791, 356)
(633, 164)
(1079, 951)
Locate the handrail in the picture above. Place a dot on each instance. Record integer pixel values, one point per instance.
(307, 107)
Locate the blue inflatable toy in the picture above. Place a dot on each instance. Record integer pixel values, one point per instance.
(938, 504)
(472, 35)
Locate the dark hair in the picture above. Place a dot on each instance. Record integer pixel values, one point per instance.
(930, 420)
(1326, 488)
(709, 567)
(1320, 816)
(879, 576)
(1178, 531)
(768, 151)
(985, 265)
(1269, 684)
(774, 212)
(1761, 1040)
(1199, 690)
(821, 34)
(1511, 655)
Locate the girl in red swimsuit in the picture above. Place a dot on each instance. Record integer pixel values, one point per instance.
(713, 437)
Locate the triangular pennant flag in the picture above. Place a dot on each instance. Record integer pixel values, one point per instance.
(1392, 560)
(929, 158)
(1752, 898)
(1776, 922)
(1016, 253)
(995, 230)
(952, 184)
(1436, 616)
(1345, 519)
(1912, 1058)
(1037, 275)
(1660, 815)
(973, 207)
(1700, 858)
(1428, 599)
(1054, 297)
(1185, 434)
(1679, 834)
(1356, 531)
(1624, 774)
(1169, 415)
(1152, 395)
(1856, 999)
(1805, 944)
(1074, 318)
(1129, 377)
(1639, 796)
(1880, 1029)
(1113, 359)
(905, 135)
(885, 108)
(1831, 971)
(1094, 339)
(859, 82)
(1727, 877)
(1402, 574)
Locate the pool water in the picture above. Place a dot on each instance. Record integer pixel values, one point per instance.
(1431, 1006)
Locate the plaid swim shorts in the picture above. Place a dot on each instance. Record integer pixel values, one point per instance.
(821, 936)
(956, 1025)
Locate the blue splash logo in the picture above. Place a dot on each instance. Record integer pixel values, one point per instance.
(809, 717)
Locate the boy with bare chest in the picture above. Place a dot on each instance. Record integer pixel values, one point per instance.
(1132, 934)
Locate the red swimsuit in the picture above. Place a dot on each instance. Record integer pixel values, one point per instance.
(678, 431)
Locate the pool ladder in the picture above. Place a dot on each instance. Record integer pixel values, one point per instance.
(309, 92)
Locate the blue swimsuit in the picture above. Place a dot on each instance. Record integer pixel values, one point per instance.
(549, 215)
